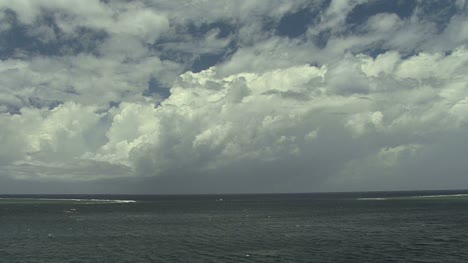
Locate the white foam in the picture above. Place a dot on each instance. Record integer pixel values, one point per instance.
(99, 200)
(106, 200)
(414, 196)
(437, 196)
(84, 200)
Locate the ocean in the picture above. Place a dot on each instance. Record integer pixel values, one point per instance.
(429, 226)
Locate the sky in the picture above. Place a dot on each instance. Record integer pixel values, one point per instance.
(222, 96)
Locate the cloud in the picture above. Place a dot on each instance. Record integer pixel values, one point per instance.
(167, 97)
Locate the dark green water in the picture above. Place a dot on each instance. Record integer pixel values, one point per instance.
(240, 228)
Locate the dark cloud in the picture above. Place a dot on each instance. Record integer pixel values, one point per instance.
(296, 24)
(321, 39)
(156, 88)
(199, 56)
(362, 12)
(289, 94)
(204, 61)
(46, 38)
(438, 12)
(222, 29)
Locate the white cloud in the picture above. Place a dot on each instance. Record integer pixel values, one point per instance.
(384, 22)
(265, 106)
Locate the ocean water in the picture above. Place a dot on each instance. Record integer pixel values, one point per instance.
(353, 227)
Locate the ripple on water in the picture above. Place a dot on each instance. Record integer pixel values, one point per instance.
(178, 230)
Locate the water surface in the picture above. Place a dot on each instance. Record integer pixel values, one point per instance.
(349, 227)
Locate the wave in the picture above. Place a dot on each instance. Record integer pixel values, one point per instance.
(82, 200)
(98, 200)
(440, 196)
(414, 197)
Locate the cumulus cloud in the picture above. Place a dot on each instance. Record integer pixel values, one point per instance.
(376, 104)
